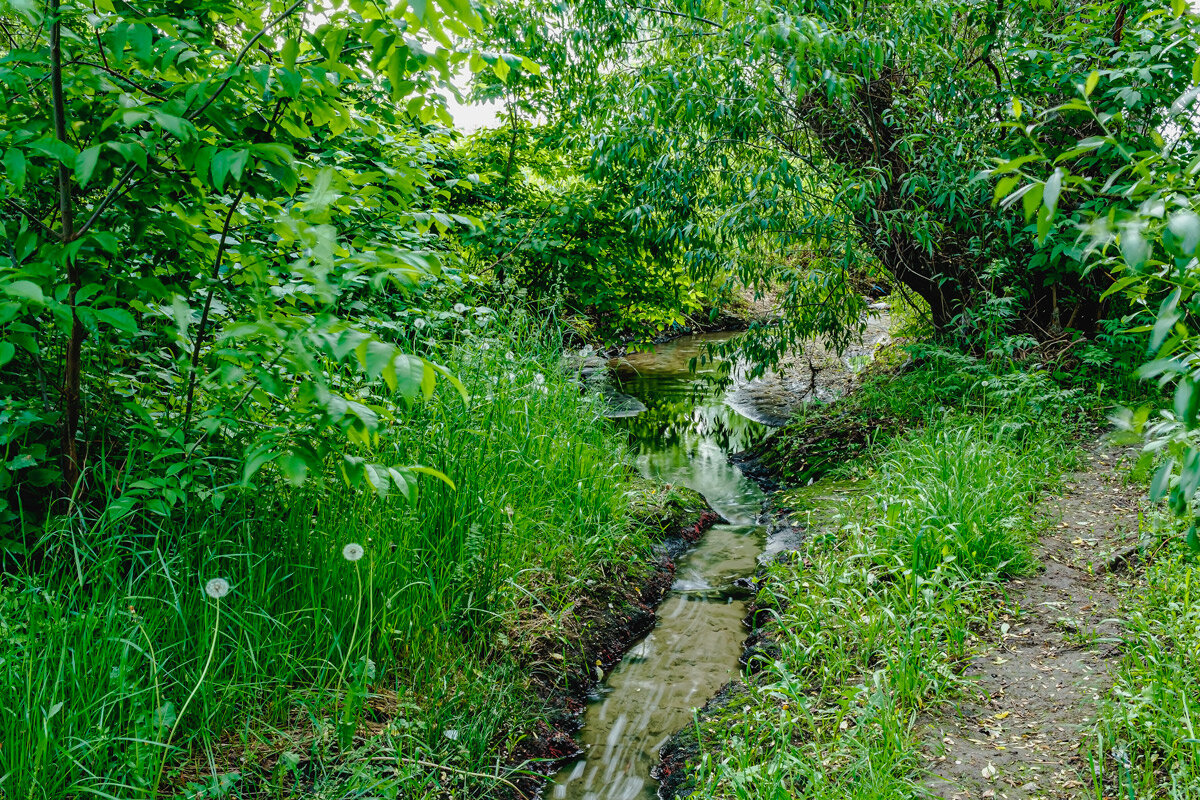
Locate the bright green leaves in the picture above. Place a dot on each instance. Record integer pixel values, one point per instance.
(229, 164)
(501, 68)
(28, 291)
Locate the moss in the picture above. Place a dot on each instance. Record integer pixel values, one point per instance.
(665, 508)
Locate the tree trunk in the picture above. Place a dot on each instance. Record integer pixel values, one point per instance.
(72, 396)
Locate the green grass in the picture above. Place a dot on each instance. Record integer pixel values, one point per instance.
(961, 497)
(109, 644)
(889, 600)
(1147, 740)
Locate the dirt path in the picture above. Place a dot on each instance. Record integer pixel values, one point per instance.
(1039, 688)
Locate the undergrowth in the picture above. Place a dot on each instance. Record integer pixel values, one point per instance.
(121, 678)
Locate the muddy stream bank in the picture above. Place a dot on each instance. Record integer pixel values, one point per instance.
(683, 431)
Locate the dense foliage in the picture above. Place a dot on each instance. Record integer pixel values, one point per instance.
(210, 212)
(819, 148)
(1118, 185)
(254, 284)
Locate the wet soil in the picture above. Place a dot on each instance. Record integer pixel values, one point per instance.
(1038, 686)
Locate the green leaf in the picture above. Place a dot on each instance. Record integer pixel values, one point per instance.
(1161, 480)
(1052, 190)
(289, 53)
(501, 68)
(85, 164)
(14, 167)
(1015, 164)
(1185, 225)
(59, 151)
(7, 351)
(119, 318)
(1134, 247)
(224, 163)
(375, 356)
(410, 371)
(130, 152)
(1032, 200)
(26, 290)
(1090, 86)
(1004, 186)
(294, 468)
(1168, 315)
(476, 63)
(1187, 402)
(1193, 539)
(180, 127)
(441, 476)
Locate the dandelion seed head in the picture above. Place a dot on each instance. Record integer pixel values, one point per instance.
(509, 356)
(459, 308)
(352, 551)
(539, 379)
(419, 323)
(217, 588)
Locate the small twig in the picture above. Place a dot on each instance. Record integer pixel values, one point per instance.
(119, 76)
(13, 204)
(679, 14)
(455, 770)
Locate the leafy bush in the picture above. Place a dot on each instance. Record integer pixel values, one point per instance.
(107, 631)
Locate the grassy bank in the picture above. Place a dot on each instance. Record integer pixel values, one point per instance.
(1147, 741)
(898, 585)
(252, 648)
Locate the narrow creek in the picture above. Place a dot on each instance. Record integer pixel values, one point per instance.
(683, 436)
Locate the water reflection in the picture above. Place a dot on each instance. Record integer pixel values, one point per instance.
(684, 437)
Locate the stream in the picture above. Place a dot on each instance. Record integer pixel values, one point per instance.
(684, 436)
(683, 431)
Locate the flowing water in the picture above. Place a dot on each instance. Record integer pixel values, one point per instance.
(682, 436)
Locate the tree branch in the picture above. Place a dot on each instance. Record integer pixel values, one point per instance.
(671, 13)
(242, 54)
(46, 229)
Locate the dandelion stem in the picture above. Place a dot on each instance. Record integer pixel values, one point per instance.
(212, 649)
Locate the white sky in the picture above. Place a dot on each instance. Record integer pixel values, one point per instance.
(470, 118)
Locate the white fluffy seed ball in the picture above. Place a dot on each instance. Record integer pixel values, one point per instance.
(353, 551)
(217, 588)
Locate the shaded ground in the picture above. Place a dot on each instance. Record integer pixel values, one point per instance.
(1040, 685)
